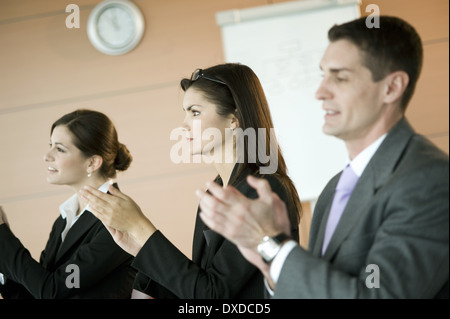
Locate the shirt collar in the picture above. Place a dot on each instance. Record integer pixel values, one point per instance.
(70, 206)
(359, 163)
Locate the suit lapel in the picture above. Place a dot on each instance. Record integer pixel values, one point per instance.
(203, 236)
(376, 174)
(321, 211)
(360, 198)
(199, 241)
(78, 230)
(48, 258)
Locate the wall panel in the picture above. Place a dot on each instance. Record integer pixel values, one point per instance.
(429, 107)
(428, 110)
(49, 70)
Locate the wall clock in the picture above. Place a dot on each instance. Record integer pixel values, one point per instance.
(115, 26)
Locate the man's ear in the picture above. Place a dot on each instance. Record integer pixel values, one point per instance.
(396, 84)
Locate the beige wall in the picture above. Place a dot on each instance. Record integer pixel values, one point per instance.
(47, 70)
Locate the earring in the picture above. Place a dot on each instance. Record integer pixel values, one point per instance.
(89, 174)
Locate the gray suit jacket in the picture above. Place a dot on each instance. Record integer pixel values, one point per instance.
(392, 239)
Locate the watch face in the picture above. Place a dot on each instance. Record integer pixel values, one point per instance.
(268, 249)
(116, 26)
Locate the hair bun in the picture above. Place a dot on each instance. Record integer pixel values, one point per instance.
(123, 158)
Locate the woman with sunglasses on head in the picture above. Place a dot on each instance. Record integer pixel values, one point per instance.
(225, 99)
(80, 259)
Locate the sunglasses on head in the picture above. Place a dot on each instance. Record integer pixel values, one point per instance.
(199, 74)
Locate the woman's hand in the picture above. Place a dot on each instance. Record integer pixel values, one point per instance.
(123, 218)
(126, 241)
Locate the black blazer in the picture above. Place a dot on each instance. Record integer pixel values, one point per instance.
(104, 268)
(217, 268)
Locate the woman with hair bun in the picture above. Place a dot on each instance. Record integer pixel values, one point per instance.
(80, 259)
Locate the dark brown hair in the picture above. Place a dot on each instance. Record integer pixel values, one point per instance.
(393, 46)
(241, 94)
(95, 134)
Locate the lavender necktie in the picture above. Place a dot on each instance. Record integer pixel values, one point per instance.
(344, 189)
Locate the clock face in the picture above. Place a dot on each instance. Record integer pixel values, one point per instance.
(115, 26)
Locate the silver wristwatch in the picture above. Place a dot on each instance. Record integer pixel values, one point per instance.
(269, 247)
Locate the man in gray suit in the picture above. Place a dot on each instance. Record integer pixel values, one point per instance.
(391, 238)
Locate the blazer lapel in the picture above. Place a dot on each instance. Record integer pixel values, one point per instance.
(82, 226)
(376, 174)
(321, 211)
(48, 258)
(203, 236)
(361, 196)
(199, 241)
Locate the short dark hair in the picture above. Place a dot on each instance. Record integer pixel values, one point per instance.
(393, 46)
(95, 134)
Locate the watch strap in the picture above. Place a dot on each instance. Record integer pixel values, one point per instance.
(280, 238)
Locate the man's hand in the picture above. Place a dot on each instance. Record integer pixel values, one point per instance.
(245, 221)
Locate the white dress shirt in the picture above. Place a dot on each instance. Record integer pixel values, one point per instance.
(358, 164)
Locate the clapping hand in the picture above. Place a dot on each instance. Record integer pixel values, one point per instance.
(121, 216)
(245, 221)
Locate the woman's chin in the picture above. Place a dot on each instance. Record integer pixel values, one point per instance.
(53, 181)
